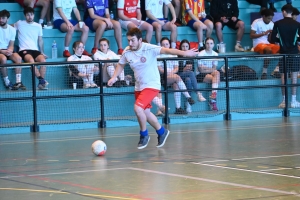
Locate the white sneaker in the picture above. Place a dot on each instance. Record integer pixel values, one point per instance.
(238, 47)
(295, 104)
(93, 85)
(87, 85)
(282, 105)
(188, 107)
(200, 97)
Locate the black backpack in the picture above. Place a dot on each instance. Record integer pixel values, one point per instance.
(241, 73)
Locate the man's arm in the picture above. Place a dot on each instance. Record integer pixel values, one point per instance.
(189, 53)
(77, 13)
(172, 10)
(273, 36)
(118, 70)
(41, 44)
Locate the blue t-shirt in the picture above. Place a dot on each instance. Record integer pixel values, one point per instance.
(98, 5)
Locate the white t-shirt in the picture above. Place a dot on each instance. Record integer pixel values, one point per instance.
(207, 62)
(156, 7)
(28, 34)
(171, 64)
(110, 55)
(143, 62)
(66, 6)
(83, 68)
(6, 35)
(259, 26)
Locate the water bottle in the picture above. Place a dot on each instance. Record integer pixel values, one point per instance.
(54, 50)
(112, 16)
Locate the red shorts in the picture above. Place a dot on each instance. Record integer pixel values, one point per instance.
(261, 46)
(144, 98)
(21, 2)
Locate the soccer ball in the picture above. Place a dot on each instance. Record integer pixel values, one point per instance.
(99, 148)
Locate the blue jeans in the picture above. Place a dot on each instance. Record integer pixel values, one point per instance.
(189, 78)
(273, 1)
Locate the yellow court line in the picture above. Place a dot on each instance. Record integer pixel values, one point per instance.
(112, 197)
(30, 190)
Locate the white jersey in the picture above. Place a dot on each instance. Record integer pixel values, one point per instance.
(207, 62)
(28, 34)
(82, 68)
(171, 64)
(143, 62)
(259, 26)
(110, 55)
(66, 6)
(156, 7)
(6, 35)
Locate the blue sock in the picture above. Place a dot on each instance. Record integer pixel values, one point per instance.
(144, 133)
(160, 131)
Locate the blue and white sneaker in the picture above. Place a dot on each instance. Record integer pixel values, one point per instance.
(9, 86)
(162, 138)
(43, 84)
(144, 140)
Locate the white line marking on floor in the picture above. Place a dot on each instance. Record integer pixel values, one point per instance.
(252, 158)
(278, 169)
(216, 181)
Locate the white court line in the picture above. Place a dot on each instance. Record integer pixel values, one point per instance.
(60, 173)
(267, 157)
(248, 170)
(218, 182)
(278, 169)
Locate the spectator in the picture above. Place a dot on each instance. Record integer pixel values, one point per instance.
(154, 10)
(194, 16)
(31, 44)
(97, 18)
(173, 79)
(271, 3)
(104, 53)
(45, 4)
(86, 71)
(63, 21)
(7, 40)
(226, 13)
(130, 17)
(287, 30)
(187, 74)
(208, 72)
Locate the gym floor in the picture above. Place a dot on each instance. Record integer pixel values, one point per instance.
(246, 159)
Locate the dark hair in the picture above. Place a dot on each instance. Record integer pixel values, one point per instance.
(165, 38)
(135, 32)
(209, 38)
(28, 10)
(288, 8)
(104, 39)
(4, 13)
(184, 41)
(76, 44)
(267, 12)
(295, 11)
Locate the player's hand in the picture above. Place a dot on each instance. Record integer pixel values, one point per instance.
(192, 52)
(268, 32)
(69, 25)
(136, 22)
(173, 21)
(111, 82)
(109, 24)
(45, 55)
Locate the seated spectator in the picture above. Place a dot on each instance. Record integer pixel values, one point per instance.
(45, 4)
(7, 40)
(155, 17)
(187, 74)
(130, 17)
(104, 53)
(31, 44)
(85, 71)
(194, 16)
(271, 3)
(208, 72)
(226, 13)
(63, 21)
(173, 79)
(260, 31)
(97, 18)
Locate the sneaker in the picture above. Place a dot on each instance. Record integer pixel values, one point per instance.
(200, 97)
(86, 53)
(120, 51)
(18, 85)
(190, 100)
(238, 47)
(93, 85)
(188, 107)
(295, 104)
(213, 95)
(66, 53)
(144, 140)
(282, 104)
(263, 76)
(162, 138)
(9, 86)
(94, 50)
(43, 84)
(117, 84)
(180, 111)
(213, 105)
(86, 85)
